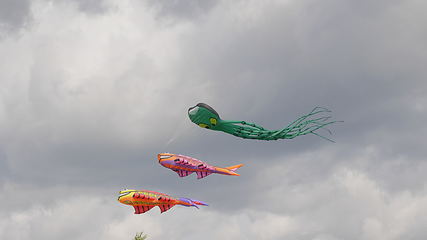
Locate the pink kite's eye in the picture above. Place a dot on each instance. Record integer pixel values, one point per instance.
(176, 160)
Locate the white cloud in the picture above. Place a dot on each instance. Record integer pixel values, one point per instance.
(343, 203)
(87, 100)
(353, 206)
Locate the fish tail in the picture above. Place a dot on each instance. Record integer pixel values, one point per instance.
(191, 202)
(229, 170)
(233, 168)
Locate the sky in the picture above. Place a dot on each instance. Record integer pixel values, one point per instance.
(91, 92)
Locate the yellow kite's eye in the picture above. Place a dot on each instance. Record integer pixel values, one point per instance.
(203, 125)
(213, 121)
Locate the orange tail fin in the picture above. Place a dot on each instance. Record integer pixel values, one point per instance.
(233, 168)
(229, 170)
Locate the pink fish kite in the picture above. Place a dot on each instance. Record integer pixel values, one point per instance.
(185, 166)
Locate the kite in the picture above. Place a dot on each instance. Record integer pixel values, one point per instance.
(185, 166)
(144, 200)
(206, 117)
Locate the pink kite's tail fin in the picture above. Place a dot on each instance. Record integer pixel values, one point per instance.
(233, 168)
(191, 202)
(229, 170)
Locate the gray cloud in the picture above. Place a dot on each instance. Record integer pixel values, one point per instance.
(4, 168)
(86, 103)
(13, 15)
(91, 6)
(179, 10)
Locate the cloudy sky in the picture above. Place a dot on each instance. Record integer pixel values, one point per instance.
(91, 91)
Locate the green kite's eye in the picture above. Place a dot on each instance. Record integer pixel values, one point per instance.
(203, 125)
(213, 121)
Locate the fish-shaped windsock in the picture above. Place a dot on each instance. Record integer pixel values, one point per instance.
(184, 166)
(145, 200)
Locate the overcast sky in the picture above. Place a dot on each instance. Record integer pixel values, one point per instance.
(91, 91)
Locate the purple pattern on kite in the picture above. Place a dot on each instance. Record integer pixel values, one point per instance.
(184, 166)
(192, 163)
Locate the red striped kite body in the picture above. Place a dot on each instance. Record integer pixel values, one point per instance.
(144, 200)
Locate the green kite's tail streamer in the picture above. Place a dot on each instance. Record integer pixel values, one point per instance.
(206, 117)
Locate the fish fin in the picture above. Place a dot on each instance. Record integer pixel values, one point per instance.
(228, 170)
(165, 207)
(233, 168)
(191, 202)
(199, 202)
(136, 210)
(185, 173)
(142, 209)
(182, 173)
(202, 174)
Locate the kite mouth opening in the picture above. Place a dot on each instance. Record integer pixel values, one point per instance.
(123, 193)
(163, 156)
(195, 109)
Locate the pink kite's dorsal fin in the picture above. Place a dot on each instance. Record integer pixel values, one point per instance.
(183, 173)
(142, 209)
(165, 207)
(202, 174)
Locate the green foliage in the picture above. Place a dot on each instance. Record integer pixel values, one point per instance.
(139, 236)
